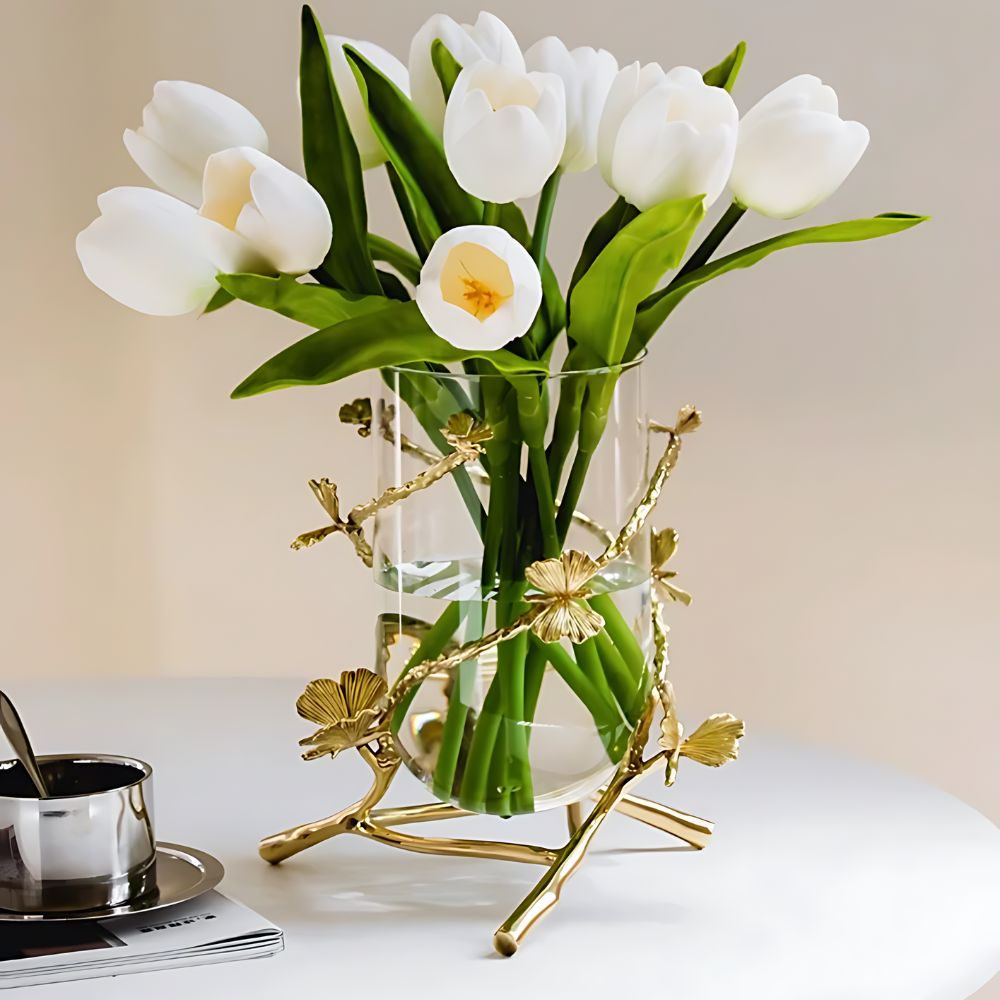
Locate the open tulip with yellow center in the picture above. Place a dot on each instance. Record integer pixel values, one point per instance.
(479, 288)
(504, 131)
(794, 149)
(488, 38)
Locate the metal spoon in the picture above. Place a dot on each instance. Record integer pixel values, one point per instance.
(15, 732)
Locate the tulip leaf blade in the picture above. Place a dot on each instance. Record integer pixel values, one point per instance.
(333, 164)
(604, 302)
(394, 335)
(600, 235)
(654, 310)
(395, 256)
(417, 216)
(413, 149)
(315, 305)
(446, 66)
(724, 74)
(217, 301)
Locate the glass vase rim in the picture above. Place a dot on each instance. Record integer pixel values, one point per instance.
(619, 369)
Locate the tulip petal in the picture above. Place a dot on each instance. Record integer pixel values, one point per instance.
(143, 251)
(504, 157)
(790, 162)
(162, 169)
(280, 215)
(182, 126)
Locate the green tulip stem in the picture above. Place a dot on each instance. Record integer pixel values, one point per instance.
(543, 217)
(491, 213)
(712, 241)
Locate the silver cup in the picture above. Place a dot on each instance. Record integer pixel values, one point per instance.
(90, 846)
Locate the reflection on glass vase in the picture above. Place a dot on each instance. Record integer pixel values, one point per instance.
(529, 725)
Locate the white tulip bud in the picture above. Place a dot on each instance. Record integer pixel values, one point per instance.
(666, 135)
(794, 150)
(369, 147)
(182, 126)
(504, 131)
(587, 75)
(479, 288)
(278, 213)
(488, 38)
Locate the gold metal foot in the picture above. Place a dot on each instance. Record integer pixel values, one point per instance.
(544, 896)
(574, 817)
(693, 830)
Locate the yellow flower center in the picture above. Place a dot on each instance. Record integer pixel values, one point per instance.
(476, 279)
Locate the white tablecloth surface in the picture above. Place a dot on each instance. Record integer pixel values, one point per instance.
(828, 878)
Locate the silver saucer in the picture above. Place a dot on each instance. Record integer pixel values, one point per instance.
(182, 873)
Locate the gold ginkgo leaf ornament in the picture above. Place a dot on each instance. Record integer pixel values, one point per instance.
(714, 743)
(463, 430)
(347, 711)
(562, 584)
(663, 547)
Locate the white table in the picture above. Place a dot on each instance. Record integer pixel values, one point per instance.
(827, 878)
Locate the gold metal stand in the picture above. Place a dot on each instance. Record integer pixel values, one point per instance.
(357, 710)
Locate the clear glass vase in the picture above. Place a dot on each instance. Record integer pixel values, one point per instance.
(529, 725)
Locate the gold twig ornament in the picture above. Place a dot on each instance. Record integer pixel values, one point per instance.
(463, 432)
(357, 711)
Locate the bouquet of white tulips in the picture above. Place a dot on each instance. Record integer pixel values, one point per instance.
(472, 126)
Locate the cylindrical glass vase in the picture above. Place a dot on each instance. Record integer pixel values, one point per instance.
(529, 725)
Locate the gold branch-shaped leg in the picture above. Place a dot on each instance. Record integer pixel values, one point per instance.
(548, 889)
(693, 830)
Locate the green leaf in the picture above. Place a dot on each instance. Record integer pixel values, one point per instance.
(656, 308)
(600, 235)
(724, 75)
(413, 149)
(392, 287)
(332, 163)
(395, 256)
(217, 301)
(445, 65)
(417, 215)
(395, 335)
(603, 304)
(314, 305)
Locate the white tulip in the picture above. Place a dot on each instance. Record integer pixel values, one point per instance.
(479, 288)
(372, 153)
(489, 38)
(794, 150)
(182, 126)
(666, 135)
(146, 250)
(160, 256)
(587, 75)
(504, 131)
(279, 215)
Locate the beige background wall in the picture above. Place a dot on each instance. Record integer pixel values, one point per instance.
(839, 511)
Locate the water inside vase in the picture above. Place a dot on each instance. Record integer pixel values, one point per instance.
(571, 748)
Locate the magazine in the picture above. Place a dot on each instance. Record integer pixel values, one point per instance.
(209, 929)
